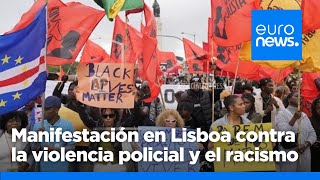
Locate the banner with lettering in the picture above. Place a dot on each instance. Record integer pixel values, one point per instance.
(106, 85)
(225, 166)
(184, 166)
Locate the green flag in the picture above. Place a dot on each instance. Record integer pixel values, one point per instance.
(112, 7)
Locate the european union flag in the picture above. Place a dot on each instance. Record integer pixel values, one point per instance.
(22, 65)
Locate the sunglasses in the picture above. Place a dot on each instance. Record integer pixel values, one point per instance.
(172, 120)
(108, 115)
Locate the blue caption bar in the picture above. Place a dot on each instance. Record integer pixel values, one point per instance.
(156, 176)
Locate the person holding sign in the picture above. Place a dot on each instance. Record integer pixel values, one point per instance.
(288, 120)
(236, 108)
(108, 119)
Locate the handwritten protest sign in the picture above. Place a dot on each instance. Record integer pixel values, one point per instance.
(244, 147)
(159, 146)
(106, 85)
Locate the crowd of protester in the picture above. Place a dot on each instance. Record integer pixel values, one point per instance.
(276, 105)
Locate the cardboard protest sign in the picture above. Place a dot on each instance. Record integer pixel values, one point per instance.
(106, 85)
(159, 146)
(223, 165)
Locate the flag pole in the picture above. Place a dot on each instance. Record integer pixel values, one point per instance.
(66, 73)
(235, 78)
(43, 96)
(299, 109)
(213, 80)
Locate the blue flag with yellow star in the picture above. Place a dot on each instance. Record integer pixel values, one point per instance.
(22, 65)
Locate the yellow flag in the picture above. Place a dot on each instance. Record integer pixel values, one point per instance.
(115, 9)
(280, 4)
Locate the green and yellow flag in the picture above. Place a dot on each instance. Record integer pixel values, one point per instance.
(113, 7)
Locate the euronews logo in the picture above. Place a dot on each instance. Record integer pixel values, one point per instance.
(276, 35)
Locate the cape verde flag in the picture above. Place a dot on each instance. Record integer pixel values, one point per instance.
(22, 66)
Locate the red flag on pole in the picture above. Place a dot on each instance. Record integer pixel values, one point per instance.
(170, 60)
(195, 57)
(66, 35)
(309, 90)
(124, 40)
(151, 27)
(151, 67)
(93, 53)
(231, 21)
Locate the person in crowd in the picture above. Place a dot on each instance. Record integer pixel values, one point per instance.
(52, 104)
(108, 119)
(170, 118)
(280, 92)
(69, 111)
(69, 100)
(266, 104)
(185, 109)
(288, 120)
(155, 107)
(238, 89)
(251, 113)
(247, 88)
(236, 109)
(293, 87)
(139, 116)
(202, 105)
(13, 120)
(177, 96)
(315, 148)
(219, 108)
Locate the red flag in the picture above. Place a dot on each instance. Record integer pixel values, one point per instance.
(309, 91)
(170, 60)
(228, 58)
(231, 21)
(151, 67)
(195, 57)
(150, 28)
(121, 37)
(207, 63)
(310, 18)
(66, 35)
(93, 53)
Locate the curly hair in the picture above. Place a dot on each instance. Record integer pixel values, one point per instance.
(165, 114)
(16, 114)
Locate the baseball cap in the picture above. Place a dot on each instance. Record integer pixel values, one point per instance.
(195, 79)
(264, 81)
(52, 102)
